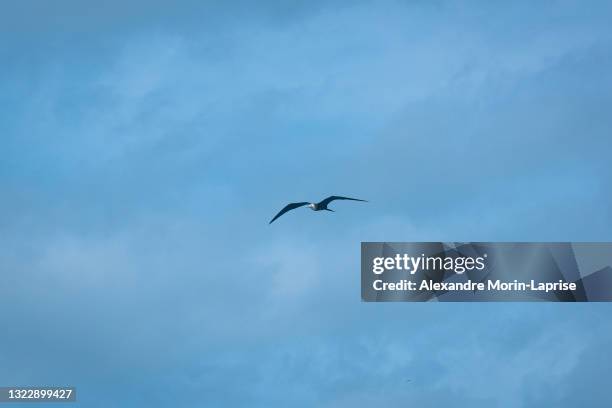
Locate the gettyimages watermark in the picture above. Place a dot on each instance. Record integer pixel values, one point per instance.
(486, 271)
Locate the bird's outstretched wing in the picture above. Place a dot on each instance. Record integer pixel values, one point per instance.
(332, 198)
(288, 207)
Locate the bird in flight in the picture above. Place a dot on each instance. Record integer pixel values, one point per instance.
(321, 205)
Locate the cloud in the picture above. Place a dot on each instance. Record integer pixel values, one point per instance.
(143, 158)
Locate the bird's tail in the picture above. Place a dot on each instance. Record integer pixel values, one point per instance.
(327, 209)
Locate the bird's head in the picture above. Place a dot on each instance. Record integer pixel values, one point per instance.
(311, 206)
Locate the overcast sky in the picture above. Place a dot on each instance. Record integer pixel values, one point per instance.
(145, 145)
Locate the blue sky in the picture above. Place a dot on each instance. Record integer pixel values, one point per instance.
(146, 145)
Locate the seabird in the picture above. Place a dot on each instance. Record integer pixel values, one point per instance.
(321, 205)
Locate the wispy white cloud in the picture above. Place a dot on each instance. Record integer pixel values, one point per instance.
(138, 176)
